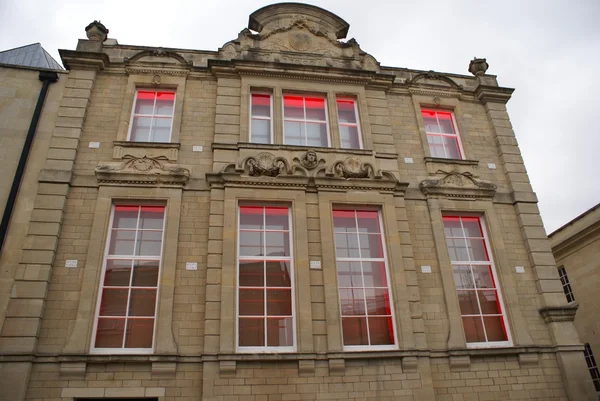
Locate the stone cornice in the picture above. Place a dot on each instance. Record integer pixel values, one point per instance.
(494, 94)
(278, 147)
(83, 60)
(555, 314)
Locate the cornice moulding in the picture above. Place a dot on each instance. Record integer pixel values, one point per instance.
(83, 60)
(493, 94)
(557, 314)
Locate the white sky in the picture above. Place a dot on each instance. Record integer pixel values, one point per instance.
(548, 50)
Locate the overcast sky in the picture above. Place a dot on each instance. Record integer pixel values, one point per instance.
(548, 50)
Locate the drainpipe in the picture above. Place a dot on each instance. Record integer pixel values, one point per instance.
(47, 77)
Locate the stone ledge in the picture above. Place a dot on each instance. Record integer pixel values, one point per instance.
(563, 313)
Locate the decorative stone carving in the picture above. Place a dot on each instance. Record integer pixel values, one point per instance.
(457, 184)
(352, 167)
(266, 164)
(432, 75)
(566, 313)
(159, 52)
(96, 31)
(142, 170)
(478, 66)
(309, 160)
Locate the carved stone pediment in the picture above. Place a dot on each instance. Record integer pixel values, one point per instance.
(298, 34)
(458, 185)
(144, 170)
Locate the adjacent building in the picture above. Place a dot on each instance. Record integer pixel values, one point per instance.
(576, 248)
(280, 219)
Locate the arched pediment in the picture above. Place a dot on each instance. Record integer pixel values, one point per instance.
(432, 76)
(158, 55)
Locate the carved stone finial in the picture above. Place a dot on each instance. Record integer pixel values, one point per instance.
(478, 66)
(96, 31)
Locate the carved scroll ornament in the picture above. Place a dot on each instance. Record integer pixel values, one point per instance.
(142, 170)
(457, 184)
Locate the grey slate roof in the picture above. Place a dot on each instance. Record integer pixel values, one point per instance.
(32, 55)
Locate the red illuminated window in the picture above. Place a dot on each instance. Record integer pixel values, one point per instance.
(348, 123)
(482, 312)
(260, 118)
(152, 116)
(265, 280)
(442, 135)
(365, 301)
(305, 121)
(128, 294)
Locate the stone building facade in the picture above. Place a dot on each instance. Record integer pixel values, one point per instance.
(576, 248)
(281, 219)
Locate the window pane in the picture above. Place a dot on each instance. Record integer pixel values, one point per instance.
(483, 276)
(252, 302)
(472, 227)
(140, 129)
(144, 103)
(381, 330)
(349, 137)
(251, 243)
(280, 332)
(139, 333)
(142, 302)
(293, 107)
(477, 250)
(355, 331)
(114, 302)
(446, 125)
(346, 245)
(468, 302)
(344, 221)
(452, 227)
(462, 276)
(145, 273)
(261, 131)
(109, 333)
(352, 302)
(251, 332)
(349, 274)
(436, 146)
(370, 246)
(279, 302)
(251, 273)
(278, 274)
(374, 273)
(430, 121)
(164, 103)
(121, 242)
(293, 133)
(368, 221)
(251, 218)
(149, 243)
(161, 131)
(315, 109)
(494, 328)
(125, 217)
(489, 302)
(316, 134)
(378, 302)
(261, 105)
(457, 249)
(278, 243)
(117, 273)
(473, 329)
(451, 145)
(276, 218)
(346, 111)
(151, 217)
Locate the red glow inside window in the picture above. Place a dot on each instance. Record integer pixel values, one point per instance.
(261, 100)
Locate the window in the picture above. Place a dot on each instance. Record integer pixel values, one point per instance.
(365, 301)
(562, 273)
(305, 121)
(152, 116)
(265, 280)
(592, 366)
(128, 294)
(442, 134)
(348, 122)
(261, 114)
(482, 313)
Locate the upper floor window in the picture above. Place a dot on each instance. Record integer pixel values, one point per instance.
(305, 121)
(481, 308)
(265, 280)
(363, 284)
(152, 116)
(261, 113)
(592, 366)
(442, 134)
(564, 279)
(348, 122)
(126, 312)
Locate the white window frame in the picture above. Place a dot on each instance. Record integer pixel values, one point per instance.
(454, 126)
(486, 344)
(357, 124)
(124, 350)
(387, 275)
(566, 285)
(592, 366)
(265, 349)
(305, 121)
(270, 119)
(153, 116)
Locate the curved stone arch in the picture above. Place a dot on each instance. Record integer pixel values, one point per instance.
(160, 52)
(435, 76)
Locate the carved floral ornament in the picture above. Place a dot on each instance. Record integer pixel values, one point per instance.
(142, 171)
(457, 184)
